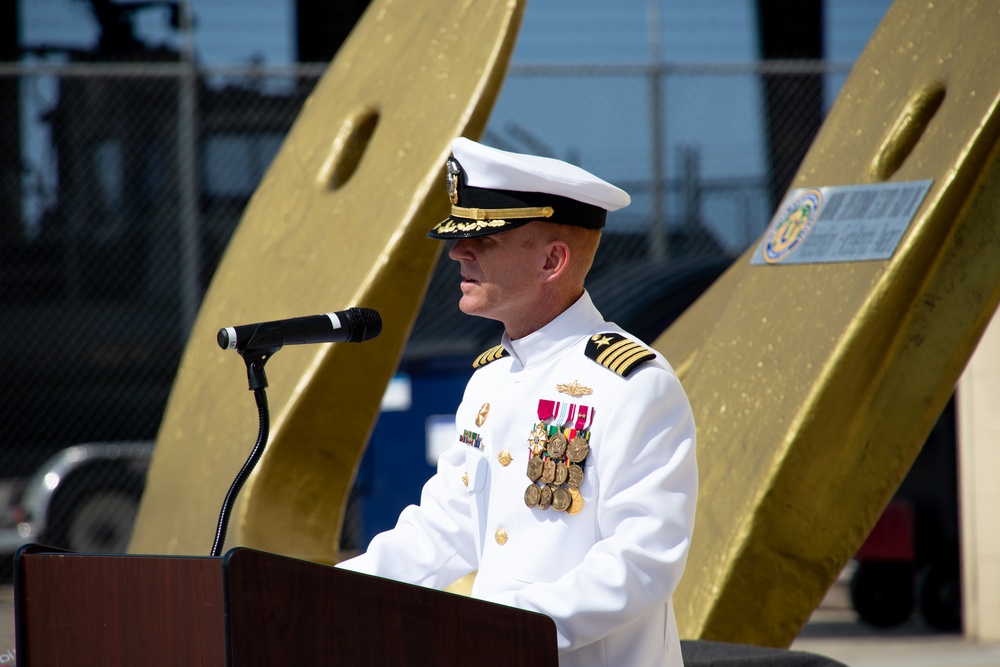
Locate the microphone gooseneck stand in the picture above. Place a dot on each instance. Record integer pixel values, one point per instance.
(255, 360)
(257, 343)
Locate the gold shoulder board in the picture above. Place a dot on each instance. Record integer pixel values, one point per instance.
(618, 353)
(489, 355)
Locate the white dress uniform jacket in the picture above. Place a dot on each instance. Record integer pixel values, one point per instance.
(604, 573)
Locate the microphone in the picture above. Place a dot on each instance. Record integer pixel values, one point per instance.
(354, 325)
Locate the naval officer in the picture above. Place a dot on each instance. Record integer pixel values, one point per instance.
(572, 481)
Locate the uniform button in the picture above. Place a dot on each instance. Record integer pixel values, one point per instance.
(504, 457)
(465, 478)
(501, 536)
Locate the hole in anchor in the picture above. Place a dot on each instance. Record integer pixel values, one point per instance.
(907, 130)
(348, 148)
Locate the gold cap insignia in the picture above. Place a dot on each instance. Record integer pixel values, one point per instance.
(451, 181)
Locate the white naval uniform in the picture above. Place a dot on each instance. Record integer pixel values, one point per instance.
(606, 574)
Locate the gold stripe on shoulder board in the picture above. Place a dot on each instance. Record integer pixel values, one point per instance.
(489, 355)
(617, 353)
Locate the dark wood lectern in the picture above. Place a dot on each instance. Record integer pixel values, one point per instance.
(253, 608)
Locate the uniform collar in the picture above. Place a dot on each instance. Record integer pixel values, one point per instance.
(568, 328)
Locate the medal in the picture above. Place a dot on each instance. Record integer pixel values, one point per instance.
(545, 497)
(561, 499)
(575, 476)
(577, 449)
(562, 473)
(564, 412)
(547, 409)
(534, 468)
(556, 446)
(537, 439)
(548, 471)
(576, 502)
(531, 495)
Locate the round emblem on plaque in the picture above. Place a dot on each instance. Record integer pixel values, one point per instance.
(791, 225)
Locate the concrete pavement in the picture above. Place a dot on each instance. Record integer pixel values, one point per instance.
(836, 632)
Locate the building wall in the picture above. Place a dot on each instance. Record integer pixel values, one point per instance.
(979, 470)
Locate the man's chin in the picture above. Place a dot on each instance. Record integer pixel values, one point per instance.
(475, 308)
(468, 306)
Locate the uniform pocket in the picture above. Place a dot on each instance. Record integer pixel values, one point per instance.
(476, 466)
(551, 542)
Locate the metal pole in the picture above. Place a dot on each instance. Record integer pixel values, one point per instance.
(187, 178)
(657, 223)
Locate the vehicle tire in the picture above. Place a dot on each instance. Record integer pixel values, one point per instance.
(95, 519)
(882, 593)
(939, 590)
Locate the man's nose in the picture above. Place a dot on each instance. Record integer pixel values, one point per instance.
(460, 249)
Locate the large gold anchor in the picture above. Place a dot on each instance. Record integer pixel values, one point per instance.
(339, 220)
(815, 385)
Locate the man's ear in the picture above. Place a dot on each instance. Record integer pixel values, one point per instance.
(556, 261)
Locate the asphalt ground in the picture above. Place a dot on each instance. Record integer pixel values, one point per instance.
(833, 631)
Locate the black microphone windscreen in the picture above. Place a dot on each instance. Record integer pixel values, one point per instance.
(365, 324)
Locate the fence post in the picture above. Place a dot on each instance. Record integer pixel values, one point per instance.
(657, 221)
(187, 178)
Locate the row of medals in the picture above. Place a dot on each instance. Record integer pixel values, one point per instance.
(555, 468)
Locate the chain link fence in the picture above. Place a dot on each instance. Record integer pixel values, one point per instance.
(122, 183)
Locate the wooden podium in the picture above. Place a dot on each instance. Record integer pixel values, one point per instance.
(253, 608)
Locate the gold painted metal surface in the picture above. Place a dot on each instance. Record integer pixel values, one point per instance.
(814, 386)
(339, 220)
